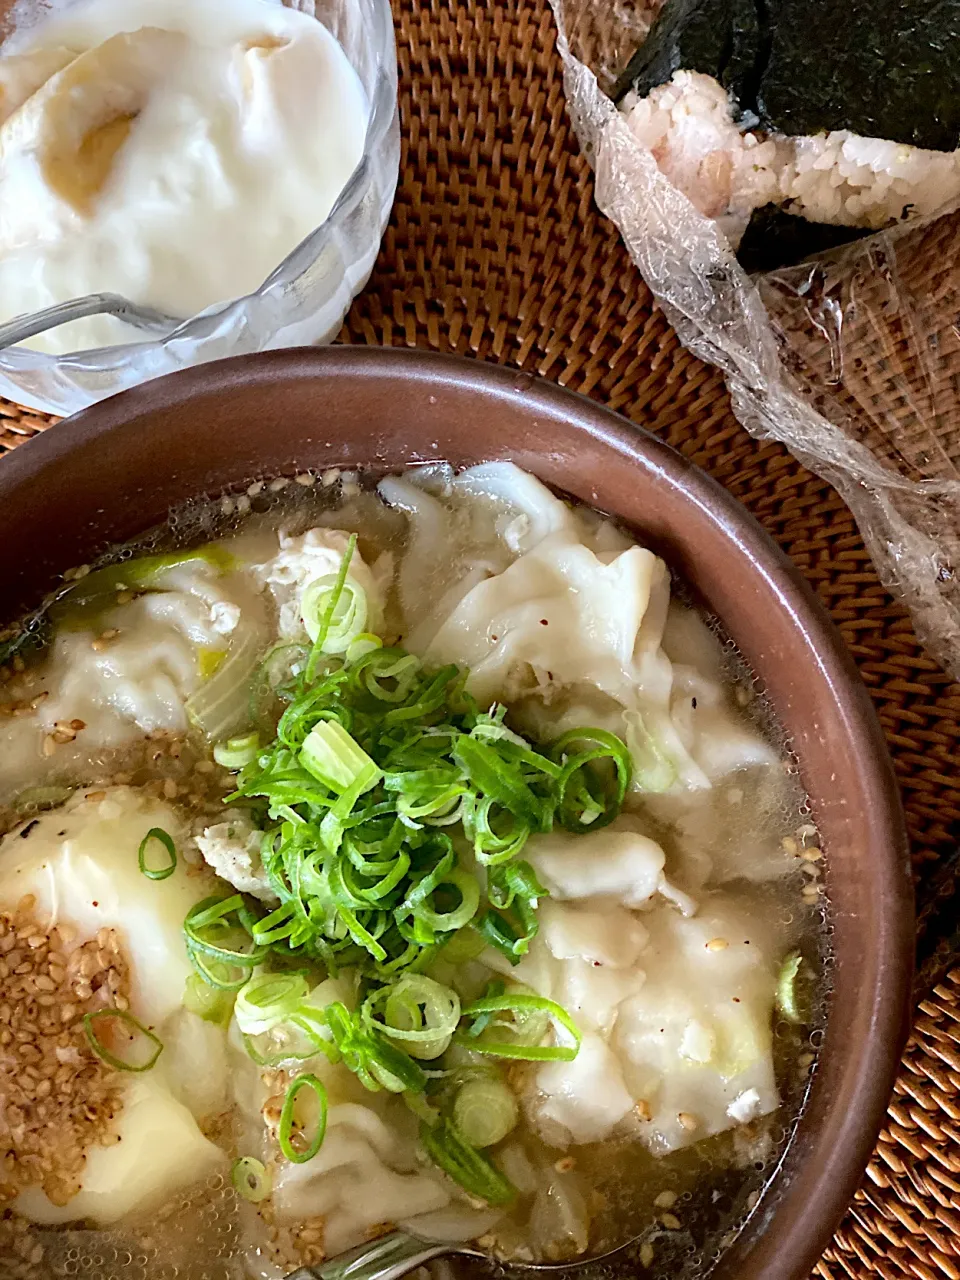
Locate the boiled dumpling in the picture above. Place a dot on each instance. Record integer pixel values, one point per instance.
(81, 865)
(567, 616)
(130, 670)
(159, 1151)
(353, 1180)
(712, 730)
(616, 863)
(557, 615)
(695, 1042)
(534, 512)
(366, 1173)
(583, 1100)
(431, 577)
(585, 957)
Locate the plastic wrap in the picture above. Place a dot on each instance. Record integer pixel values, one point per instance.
(852, 360)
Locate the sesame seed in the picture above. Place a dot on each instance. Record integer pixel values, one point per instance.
(717, 944)
(666, 1200)
(59, 1097)
(688, 1121)
(642, 1108)
(670, 1221)
(305, 479)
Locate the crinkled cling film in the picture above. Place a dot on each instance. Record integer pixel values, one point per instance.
(851, 359)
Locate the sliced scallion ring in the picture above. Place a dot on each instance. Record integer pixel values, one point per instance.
(141, 1047)
(344, 622)
(522, 1007)
(288, 1124)
(267, 1000)
(420, 1013)
(485, 1111)
(250, 1179)
(161, 837)
(234, 753)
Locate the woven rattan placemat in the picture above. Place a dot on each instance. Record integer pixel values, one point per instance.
(495, 250)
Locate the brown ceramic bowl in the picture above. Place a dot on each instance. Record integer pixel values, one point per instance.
(114, 471)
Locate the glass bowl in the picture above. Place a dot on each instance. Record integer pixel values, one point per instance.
(302, 302)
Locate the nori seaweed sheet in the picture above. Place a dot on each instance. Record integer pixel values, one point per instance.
(775, 238)
(880, 68)
(719, 37)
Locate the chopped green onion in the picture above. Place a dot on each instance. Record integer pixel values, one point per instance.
(525, 1009)
(234, 753)
(335, 759)
(466, 1166)
(786, 1000)
(363, 644)
(218, 933)
(267, 1000)
(250, 1179)
(485, 1111)
(288, 1124)
(359, 790)
(79, 605)
(128, 1036)
(345, 621)
(295, 1039)
(591, 795)
(207, 1002)
(166, 840)
(419, 1012)
(332, 600)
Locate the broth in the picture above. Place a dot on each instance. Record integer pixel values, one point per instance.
(722, 799)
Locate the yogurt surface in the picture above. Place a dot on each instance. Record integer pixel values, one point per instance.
(173, 151)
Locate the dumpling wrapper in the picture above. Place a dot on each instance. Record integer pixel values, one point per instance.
(138, 682)
(161, 1151)
(81, 864)
(697, 1036)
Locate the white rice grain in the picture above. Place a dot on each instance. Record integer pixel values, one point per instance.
(726, 172)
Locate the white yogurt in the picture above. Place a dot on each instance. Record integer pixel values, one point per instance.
(176, 164)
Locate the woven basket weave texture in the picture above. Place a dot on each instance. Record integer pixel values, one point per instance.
(495, 250)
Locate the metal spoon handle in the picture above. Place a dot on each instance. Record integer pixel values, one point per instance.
(388, 1258)
(148, 319)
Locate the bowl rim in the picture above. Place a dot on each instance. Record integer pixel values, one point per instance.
(804, 1209)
